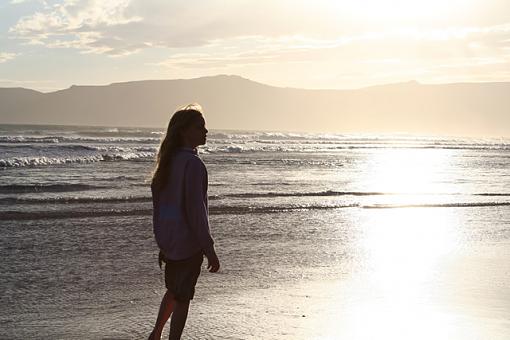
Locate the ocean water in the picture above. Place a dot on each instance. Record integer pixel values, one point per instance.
(320, 236)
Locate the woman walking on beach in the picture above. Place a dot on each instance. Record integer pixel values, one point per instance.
(180, 217)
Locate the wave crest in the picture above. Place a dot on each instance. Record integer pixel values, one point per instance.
(105, 157)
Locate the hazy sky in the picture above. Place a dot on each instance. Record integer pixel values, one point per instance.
(52, 44)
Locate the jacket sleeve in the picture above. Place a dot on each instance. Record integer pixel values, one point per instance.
(195, 203)
(155, 207)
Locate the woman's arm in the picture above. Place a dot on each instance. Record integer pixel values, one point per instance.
(197, 212)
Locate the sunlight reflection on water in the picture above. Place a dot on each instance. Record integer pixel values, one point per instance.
(401, 259)
(408, 171)
(399, 290)
(404, 250)
(405, 246)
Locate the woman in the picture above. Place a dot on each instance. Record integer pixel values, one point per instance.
(180, 217)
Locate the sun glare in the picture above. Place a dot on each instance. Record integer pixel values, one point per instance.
(408, 171)
(405, 245)
(400, 9)
(394, 295)
(402, 253)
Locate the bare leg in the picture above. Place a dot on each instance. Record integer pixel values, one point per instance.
(178, 319)
(165, 310)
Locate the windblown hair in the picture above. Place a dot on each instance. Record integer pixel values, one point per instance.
(180, 120)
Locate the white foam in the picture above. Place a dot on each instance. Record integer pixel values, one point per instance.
(16, 162)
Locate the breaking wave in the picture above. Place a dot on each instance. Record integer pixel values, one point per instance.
(16, 162)
(73, 200)
(78, 139)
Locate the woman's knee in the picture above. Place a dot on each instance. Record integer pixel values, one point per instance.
(169, 296)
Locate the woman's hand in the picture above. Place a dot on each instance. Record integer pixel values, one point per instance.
(213, 263)
(161, 259)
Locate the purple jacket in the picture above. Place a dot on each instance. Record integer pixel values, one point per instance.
(181, 213)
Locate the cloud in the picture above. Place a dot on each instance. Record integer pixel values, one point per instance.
(4, 56)
(80, 25)
(464, 45)
(168, 24)
(247, 50)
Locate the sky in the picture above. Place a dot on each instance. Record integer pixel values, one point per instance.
(49, 45)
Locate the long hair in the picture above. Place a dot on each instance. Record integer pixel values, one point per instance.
(180, 120)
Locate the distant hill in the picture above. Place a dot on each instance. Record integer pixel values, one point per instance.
(232, 102)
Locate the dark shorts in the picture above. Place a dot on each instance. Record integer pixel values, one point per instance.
(181, 276)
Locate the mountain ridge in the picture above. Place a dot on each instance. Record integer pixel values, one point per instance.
(219, 76)
(234, 102)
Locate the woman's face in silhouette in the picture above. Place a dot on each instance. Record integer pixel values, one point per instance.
(195, 134)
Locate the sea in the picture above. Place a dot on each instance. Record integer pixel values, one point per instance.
(320, 236)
